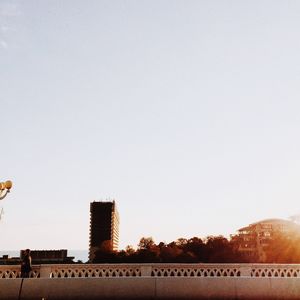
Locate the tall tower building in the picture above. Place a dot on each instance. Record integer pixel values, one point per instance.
(104, 227)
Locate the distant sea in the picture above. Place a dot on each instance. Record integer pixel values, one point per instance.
(78, 254)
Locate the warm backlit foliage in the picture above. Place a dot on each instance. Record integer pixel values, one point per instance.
(213, 249)
(283, 249)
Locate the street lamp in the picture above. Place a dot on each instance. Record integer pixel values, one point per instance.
(5, 188)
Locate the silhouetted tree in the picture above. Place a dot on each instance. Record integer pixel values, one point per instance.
(146, 243)
(213, 249)
(105, 254)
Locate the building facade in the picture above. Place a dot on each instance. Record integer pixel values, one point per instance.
(49, 256)
(40, 257)
(254, 238)
(104, 227)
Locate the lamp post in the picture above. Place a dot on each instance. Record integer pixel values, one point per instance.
(5, 188)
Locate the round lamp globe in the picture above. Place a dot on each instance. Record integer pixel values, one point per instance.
(8, 184)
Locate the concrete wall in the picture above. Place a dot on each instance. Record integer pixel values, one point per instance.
(150, 288)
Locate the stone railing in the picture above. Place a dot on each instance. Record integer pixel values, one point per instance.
(154, 270)
(14, 271)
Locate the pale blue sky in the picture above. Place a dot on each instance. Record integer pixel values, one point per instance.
(187, 113)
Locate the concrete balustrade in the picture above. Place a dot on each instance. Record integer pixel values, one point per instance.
(153, 281)
(154, 270)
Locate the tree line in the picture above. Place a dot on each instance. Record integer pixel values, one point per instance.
(280, 248)
(213, 249)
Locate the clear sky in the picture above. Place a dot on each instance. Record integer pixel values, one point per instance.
(187, 113)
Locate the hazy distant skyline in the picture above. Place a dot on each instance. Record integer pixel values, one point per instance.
(184, 112)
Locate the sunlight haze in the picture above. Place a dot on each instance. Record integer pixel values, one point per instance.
(184, 112)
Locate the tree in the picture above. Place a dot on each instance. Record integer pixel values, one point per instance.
(105, 254)
(146, 243)
(129, 250)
